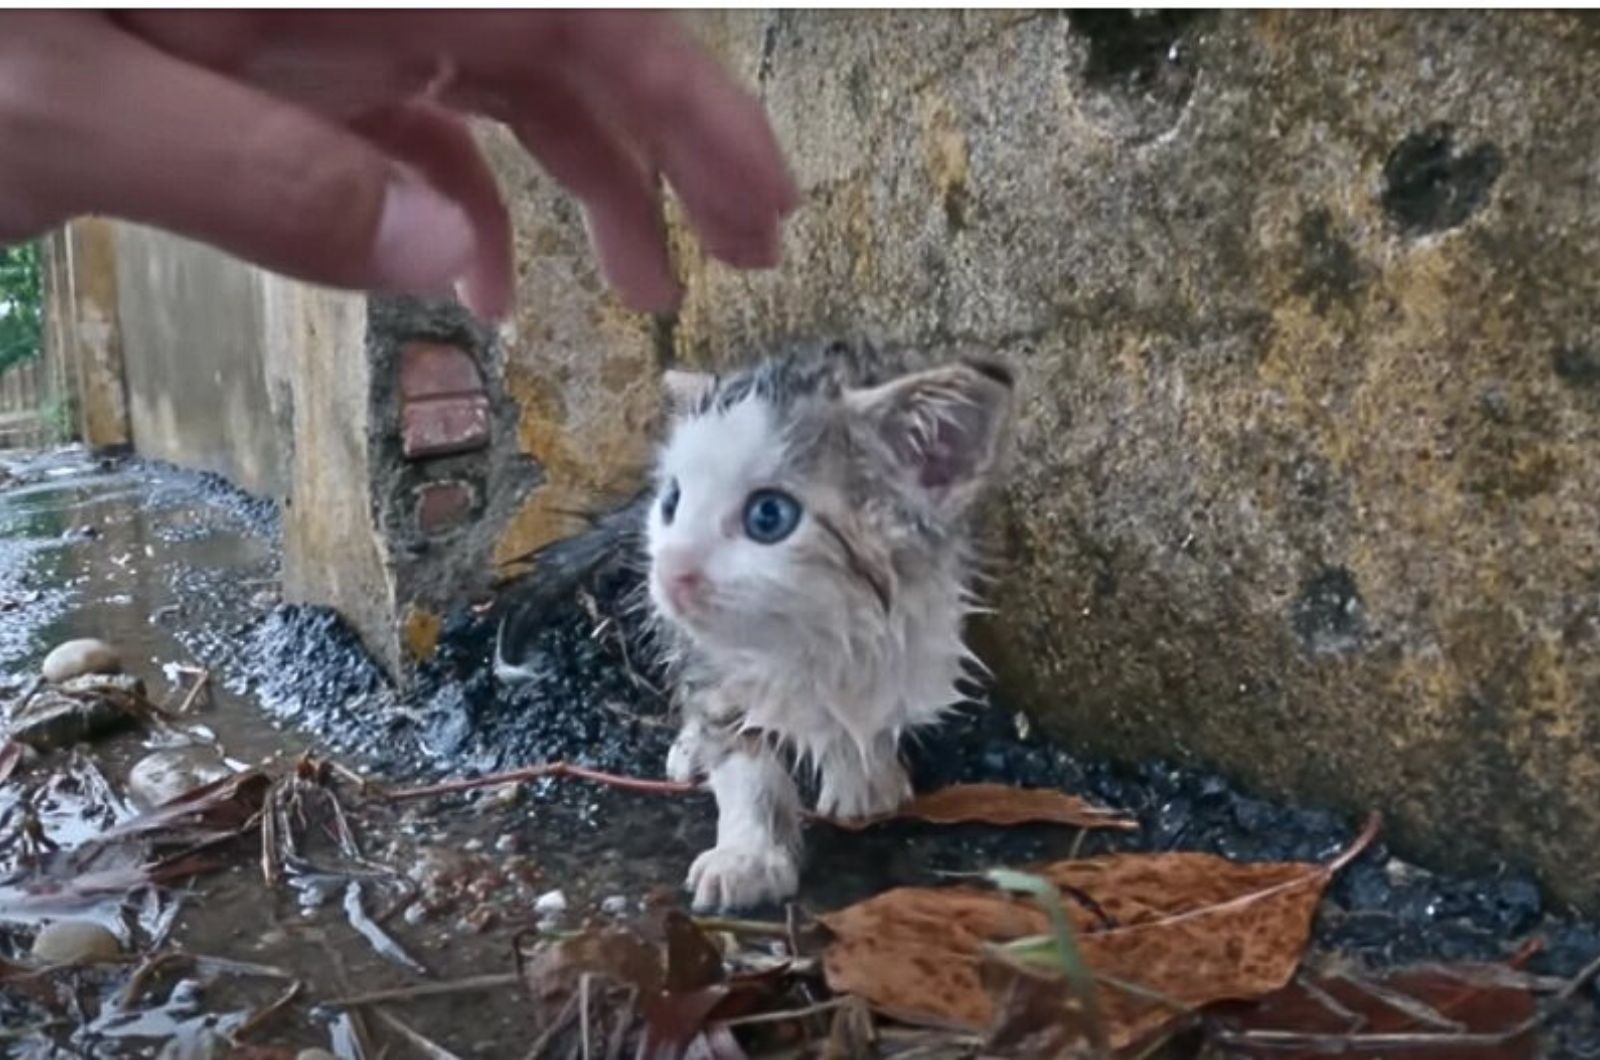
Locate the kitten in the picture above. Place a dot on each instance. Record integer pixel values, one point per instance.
(809, 546)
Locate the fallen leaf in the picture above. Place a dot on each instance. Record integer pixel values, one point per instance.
(222, 807)
(852, 1033)
(675, 1023)
(10, 756)
(999, 804)
(693, 962)
(915, 950)
(1464, 1007)
(1162, 933)
(717, 1043)
(1035, 1012)
(552, 969)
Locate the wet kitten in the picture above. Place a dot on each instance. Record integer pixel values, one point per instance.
(808, 540)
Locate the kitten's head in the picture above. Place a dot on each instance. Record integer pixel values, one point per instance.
(801, 502)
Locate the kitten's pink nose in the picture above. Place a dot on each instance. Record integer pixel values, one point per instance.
(684, 587)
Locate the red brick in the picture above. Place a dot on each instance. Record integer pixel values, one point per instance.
(444, 425)
(434, 369)
(443, 506)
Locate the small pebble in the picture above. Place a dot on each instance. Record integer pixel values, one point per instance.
(74, 658)
(507, 843)
(75, 942)
(162, 776)
(314, 1054)
(549, 903)
(615, 905)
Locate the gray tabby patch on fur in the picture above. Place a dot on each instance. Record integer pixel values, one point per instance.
(808, 539)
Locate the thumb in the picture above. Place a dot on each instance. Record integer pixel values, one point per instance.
(151, 139)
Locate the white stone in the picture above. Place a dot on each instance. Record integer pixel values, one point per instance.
(161, 776)
(550, 903)
(74, 658)
(74, 942)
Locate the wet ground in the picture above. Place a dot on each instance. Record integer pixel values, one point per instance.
(178, 570)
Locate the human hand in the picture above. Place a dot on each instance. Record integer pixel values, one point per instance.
(333, 146)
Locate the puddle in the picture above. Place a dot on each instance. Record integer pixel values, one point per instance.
(178, 570)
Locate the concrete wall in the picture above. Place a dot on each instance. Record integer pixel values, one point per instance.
(1306, 308)
(83, 332)
(192, 325)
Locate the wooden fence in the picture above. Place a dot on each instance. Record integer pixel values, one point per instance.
(24, 397)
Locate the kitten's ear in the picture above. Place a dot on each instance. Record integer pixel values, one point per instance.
(943, 428)
(685, 390)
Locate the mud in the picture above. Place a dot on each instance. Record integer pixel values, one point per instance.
(177, 569)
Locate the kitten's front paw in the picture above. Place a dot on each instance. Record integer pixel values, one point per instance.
(847, 795)
(681, 765)
(737, 877)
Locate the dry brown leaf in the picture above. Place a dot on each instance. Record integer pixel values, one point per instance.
(1000, 804)
(914, 950)
(1036, 1014)
(552, 970)
(1186, 930)
(1454, 1003)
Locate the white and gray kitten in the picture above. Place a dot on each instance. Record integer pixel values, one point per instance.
(810, 556)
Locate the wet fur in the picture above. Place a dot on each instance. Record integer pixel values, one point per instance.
(824, 649)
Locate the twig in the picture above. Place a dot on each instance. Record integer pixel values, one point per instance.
(548, 1034)
(538, 772)
(349, 774)
(406, 993)
(767, 929)
(27, 695)
(266, 1012)
(200, 682)
(1346, 1043)
(791, 928)
(1361, 842)
(1354, 1020)
(142, 975)
(10, 757)
(1418, 1010)
(583, 1011)
(426, 1045)
(786, 1015)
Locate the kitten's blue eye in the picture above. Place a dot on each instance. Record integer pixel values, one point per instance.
(669, 502)
(770, 516)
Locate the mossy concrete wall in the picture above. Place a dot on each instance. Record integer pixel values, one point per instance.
(1307, 312)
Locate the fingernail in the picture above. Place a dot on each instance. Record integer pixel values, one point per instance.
(750, 250)
(424, 242)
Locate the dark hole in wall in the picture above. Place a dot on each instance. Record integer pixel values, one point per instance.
(1577, 366)
(1430, 186)
(1327, 615)
(1130, 49)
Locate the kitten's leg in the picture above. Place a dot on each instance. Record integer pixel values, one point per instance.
(862, 782)
(757, 856)
(685, 757)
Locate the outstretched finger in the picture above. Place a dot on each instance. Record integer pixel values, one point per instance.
(154, 139)
(441, 147)
(622, 205)
(710, 138)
